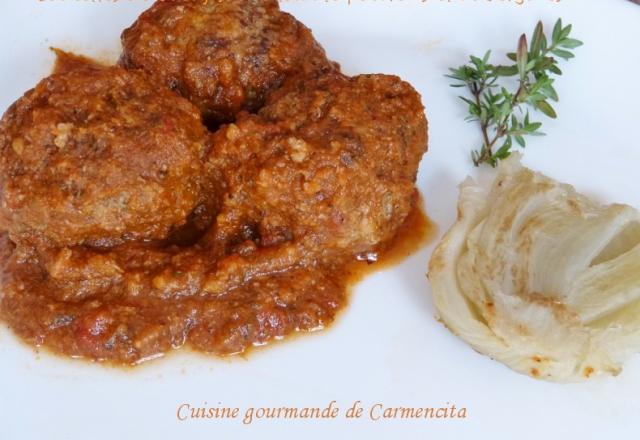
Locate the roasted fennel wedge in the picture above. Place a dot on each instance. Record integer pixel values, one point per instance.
(539, 277)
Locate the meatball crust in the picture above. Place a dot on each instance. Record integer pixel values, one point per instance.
(224, 56)
(329, 161)
(99, 155)
(377, 116)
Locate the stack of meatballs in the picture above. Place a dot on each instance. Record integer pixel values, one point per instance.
(208, 190)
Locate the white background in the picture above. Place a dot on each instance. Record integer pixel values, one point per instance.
(386, 347)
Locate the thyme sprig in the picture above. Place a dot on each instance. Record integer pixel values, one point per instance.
(504, 115)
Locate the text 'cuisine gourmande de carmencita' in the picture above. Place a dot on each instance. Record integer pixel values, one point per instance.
(358, 410)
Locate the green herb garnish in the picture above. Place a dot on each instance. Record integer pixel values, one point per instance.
(504, 115)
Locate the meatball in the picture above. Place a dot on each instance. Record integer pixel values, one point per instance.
(224, 56)
(329, 162)
(99, 155)
(377, 116)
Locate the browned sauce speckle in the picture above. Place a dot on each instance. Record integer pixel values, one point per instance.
(69, 61)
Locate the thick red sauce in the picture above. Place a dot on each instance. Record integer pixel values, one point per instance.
(416, 232)
(231, 240)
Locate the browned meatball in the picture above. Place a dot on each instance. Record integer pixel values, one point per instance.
(224, 56)
(329, 162)
(377, 116)
(98, 155)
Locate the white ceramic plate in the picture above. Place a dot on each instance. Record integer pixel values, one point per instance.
(386, 347)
